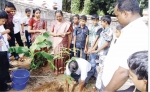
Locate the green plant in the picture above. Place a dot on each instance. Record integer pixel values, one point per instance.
(38, 52)
(75, 6)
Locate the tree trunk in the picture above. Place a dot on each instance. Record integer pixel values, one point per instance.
(2, 4)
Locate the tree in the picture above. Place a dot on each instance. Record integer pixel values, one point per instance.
(75, 6)
(87, 7)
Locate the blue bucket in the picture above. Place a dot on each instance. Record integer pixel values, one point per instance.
(19, 86)
(20, 76)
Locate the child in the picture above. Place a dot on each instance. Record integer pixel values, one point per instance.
(9, 25)
(75, 24)
(17, 25)
(81, 36)
(4, 62)
(95, 30)
(118, 32)
(103, 46)
(25, 22)
(138, 70)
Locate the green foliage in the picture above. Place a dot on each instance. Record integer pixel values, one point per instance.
(87, 7)
(35, 52)
(102, 7)
(75, 6)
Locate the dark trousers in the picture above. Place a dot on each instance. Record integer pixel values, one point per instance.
(18, 39)
(4, 70)
(12, 43)
(28, 38)
(89, 75)
(84, 56)
(71, 52)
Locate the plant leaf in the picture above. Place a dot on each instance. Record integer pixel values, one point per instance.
(18, 49)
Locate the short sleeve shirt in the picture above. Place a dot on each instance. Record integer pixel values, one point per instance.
(17, 24)
(81, 35)
(133, 38)
(4, 40)
(84, 68)
(26, 21)
(105, 36)
(93, 33)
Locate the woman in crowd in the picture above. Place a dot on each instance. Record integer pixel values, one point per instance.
(61, 30)
(36, 25)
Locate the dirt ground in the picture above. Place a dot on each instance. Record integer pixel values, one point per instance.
(44, 80)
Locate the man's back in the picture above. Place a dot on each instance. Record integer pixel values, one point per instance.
(134, 38)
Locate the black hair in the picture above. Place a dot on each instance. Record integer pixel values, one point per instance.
(83, 17)
(106, 18)
(119, 27)
(15, 8)
(73, 66)
(3, 14)
(128, 5)
(27, 10)
(95, 16)
(9, 4)
(34, 10)
(59, 11)
(76, 15)
(138, 64)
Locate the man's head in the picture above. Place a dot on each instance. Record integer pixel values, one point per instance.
(13, 12)
(138, 64)
(28, 12)
(95, 19)
(105, 21)
(3, 17)
(118, 31)
(126, 10)
(76, 19)
(73, 66)
(9, 7)
(83, 20)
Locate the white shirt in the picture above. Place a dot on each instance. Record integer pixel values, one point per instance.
(17, 24)
(133, 38)
(4, 40)
(26, 21)
(84, 68)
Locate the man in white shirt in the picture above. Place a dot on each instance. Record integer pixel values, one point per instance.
(18, 26)
(134, 37)
(79, 68)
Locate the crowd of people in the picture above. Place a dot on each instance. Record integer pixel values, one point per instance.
(111, 60)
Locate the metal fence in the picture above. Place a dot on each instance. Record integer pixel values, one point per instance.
(2, 4)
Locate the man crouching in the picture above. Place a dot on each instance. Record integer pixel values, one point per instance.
(79, 69)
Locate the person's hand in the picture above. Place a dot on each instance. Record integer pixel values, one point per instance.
(7, 31)
(8, 37)
(85, 50)
(94, 51)
(89, 51)
(62, 34)
(1, 44)
(42, 31)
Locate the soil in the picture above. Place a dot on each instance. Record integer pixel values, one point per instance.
(44, 80)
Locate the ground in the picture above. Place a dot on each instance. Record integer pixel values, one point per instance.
(44, 80)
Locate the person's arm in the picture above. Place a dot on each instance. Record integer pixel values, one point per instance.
(5, 32)
(22, 27)
(95, 46)
(1, 44)
(120, 76)
(35, 31)
(106, 44)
